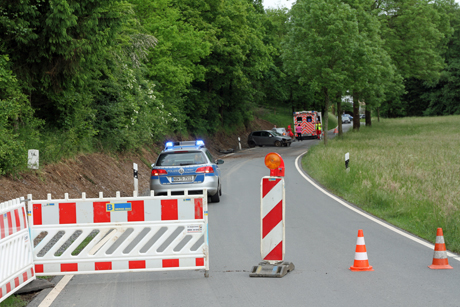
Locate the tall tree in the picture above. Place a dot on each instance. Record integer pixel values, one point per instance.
(415, 34)
(237, 61)
(320, 43)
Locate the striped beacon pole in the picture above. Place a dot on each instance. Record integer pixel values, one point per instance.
(272, 214)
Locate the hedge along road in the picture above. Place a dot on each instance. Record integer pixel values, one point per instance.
(320, 240)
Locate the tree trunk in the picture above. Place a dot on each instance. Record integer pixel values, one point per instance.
(378, 114)
(325, 115)
(339, 116)
(356, 122)
(368, 117)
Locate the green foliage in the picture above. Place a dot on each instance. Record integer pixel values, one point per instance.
(236, 63)
(79, 76)
(441, 98)
(17, 125)
(416, 33)
(325, 49)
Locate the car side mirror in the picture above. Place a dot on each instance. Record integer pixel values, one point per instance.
(270, 135)
(152, 165)
(220, 161)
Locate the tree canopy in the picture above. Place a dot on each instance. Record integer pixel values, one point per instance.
(86, 75)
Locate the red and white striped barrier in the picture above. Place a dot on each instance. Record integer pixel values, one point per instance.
(84, 211)
(272, 227)
(108, 235)
(272, 215)
(16, 261)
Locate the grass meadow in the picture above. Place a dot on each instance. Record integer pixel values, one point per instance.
(405, 171)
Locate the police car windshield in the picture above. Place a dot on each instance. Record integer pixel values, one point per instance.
(181, 158)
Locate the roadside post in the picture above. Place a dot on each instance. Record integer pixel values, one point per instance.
(136, 176)
(33, 156)
(272, 215)
(239, 143)
(347, 160)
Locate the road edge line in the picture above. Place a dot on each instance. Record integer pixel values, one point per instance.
(49, 299)
(367, 215)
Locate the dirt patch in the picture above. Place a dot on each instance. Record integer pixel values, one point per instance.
(99, 172)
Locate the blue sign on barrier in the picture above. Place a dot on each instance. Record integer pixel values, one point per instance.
(118, 207)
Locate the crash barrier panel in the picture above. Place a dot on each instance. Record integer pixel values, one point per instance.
(120, 234)
(16, 260)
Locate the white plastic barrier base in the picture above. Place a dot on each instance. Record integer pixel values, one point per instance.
(113, 235)
(16, 260)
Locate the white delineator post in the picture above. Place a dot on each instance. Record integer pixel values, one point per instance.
(347, 160)
(239, 143)
(135, 173)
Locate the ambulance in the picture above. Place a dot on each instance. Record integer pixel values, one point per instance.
(307, 120)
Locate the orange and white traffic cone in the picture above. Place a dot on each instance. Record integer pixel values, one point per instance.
(440, 260)
(361, 261)
(336, 130)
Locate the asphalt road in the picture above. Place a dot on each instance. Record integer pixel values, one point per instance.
(320, 240)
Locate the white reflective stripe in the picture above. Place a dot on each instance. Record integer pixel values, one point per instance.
(118, 216)
(440, 254)
(120, 265)
(439, 239)
(86, 266)
(360, 241)
(154, 263)
(152, 210)
(272, 239)
(272, 198)
(51, 267)
(361, 256)
(187, 262)
(85, 212)
(186, 209)
(50, 213)
(21, 219)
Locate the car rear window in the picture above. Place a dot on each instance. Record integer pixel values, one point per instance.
(181, 158)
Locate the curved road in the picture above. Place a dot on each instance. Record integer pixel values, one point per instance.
(320, 240)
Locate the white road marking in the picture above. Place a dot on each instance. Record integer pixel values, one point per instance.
(49, 299)
(366, 215)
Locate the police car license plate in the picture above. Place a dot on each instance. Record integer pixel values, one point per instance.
(182, 178)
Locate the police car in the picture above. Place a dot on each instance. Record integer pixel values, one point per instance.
(187, 166)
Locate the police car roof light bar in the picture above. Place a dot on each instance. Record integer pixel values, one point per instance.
(184, 144)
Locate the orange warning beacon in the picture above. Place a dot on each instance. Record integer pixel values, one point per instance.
(275, 163)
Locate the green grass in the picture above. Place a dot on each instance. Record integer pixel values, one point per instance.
(281, 117)
(405, 171)
(13, 301)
